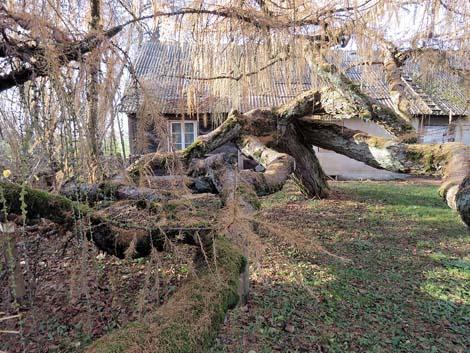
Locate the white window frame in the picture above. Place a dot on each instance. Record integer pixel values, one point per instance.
(182, 123)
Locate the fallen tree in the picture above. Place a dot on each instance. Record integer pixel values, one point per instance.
(282, 140)
(279, 139)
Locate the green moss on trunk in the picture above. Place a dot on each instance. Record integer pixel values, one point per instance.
(189, 322)
(39, 204)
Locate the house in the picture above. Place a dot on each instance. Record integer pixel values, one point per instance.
(172, 104)
(181, 108)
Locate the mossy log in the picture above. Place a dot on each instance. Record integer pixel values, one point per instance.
(189, 321)
(35, 204)
(451, 161)
(108, 235)
(109, 190)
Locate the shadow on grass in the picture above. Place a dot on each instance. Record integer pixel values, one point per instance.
(406, 288)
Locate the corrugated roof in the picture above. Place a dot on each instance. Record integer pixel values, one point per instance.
(163, 69)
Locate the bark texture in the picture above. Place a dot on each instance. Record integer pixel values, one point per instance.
(342, 99)
(308, 173)
(108, 235)
(396, 86)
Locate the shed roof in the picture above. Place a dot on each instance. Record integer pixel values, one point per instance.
(164, 70)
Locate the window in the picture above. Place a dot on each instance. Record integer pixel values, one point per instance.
(183, 133)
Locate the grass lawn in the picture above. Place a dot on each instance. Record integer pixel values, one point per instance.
(378, 267)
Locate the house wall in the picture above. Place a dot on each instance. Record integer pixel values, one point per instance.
(462, 130)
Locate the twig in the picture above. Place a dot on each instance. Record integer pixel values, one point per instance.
(10, 331)
(9, 317)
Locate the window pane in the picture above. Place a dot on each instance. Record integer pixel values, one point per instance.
(176, 127)
(176, 137)
(189, 134)
(189, 127)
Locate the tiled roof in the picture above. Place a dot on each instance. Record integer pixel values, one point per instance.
(163, 69)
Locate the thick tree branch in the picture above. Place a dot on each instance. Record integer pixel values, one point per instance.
(343, 99)
(278, 166)
(308, 173)
(108, 235)
(450, 160)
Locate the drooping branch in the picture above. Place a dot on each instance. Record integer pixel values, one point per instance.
(66, 52)
(69, 50)
(449, 160)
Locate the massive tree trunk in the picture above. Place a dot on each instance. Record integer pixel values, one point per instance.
(308, 173)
